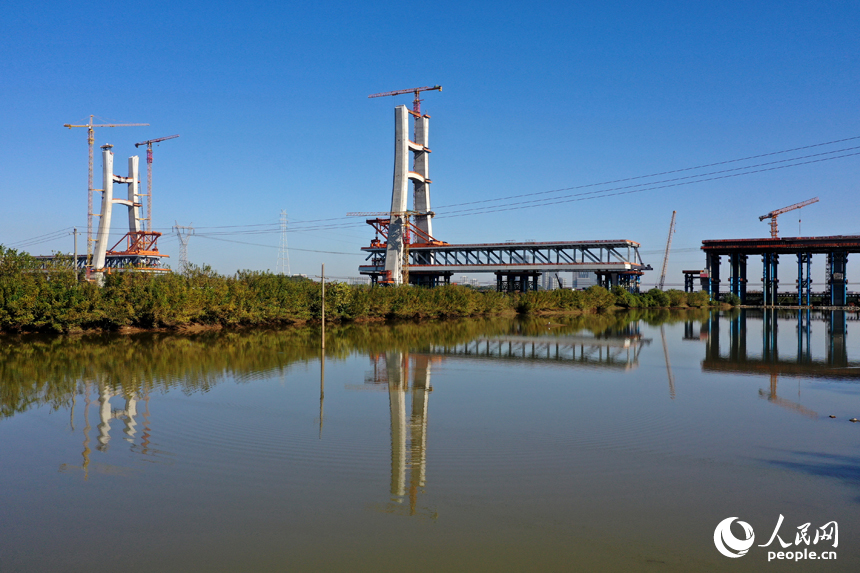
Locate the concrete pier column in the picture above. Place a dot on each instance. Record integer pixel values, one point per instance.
(394, 253)
(421, 166)
(133, 195)
(102, 236)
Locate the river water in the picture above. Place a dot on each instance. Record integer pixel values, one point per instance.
(595, 443)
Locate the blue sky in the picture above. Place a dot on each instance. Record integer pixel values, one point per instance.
(271, 104)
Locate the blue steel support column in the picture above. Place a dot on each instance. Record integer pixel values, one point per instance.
(837, 261)
(739, 276)
(733, 280)
(770, 282)
(804, 282)
(713, 264)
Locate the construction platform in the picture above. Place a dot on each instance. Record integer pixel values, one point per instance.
(517, 266)
(836, 249)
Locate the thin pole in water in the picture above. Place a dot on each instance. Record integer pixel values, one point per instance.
(323, 305)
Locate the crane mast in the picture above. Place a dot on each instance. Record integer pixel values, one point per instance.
(666, 255)
(148, 143)
(774, 214)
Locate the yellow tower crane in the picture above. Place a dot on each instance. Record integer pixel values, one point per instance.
(774, 214)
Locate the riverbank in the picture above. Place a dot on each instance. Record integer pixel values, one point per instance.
(33, 299)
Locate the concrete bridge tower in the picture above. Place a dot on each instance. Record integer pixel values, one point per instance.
(133, 204)
(419, 175)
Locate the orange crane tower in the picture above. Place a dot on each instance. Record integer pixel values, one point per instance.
(774, 214)
(90, 140)
(148, 143)
(416, 103)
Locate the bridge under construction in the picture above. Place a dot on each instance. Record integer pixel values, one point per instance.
(405, 251)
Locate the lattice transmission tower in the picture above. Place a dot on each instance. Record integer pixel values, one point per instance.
(284, 251)
(184, 233)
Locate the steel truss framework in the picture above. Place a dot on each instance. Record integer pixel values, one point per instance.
(615, 260)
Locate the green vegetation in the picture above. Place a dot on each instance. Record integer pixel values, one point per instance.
(33, 298)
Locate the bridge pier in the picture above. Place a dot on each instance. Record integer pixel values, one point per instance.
(770, 280)
(739, 276)
(837, 280)
(804, 284)
(713, 265)
(517, 282)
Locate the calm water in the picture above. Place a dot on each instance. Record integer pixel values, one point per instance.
(590, 443)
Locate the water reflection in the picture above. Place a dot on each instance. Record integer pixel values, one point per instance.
(128, 415)
(612, 348)
(773, 359)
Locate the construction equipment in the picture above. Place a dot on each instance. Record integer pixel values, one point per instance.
(90, 140)
(381, 223)
(774, 214)
(666, 255)
(148, 143)
(416, 103)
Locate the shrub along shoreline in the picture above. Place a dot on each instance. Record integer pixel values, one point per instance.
(33, 299)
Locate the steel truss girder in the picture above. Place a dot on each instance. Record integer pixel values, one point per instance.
(585, 256)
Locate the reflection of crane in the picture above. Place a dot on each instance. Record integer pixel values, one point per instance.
(782, 402)
(148, 143)
(416, 103)
(90, 140)
(774, 214)
(668, 364)
(666, 256)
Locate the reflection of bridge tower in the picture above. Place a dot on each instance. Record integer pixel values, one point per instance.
(106, 414)
(408, 441)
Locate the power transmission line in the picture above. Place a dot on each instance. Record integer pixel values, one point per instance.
(284, 251)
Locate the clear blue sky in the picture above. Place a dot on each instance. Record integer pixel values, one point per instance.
(270, 100)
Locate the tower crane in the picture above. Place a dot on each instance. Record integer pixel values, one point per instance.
(148, 143)
(666, 255)
(774, 214)
(90, 140)
(416, 103)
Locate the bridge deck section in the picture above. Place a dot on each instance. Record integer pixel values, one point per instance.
(586, 256)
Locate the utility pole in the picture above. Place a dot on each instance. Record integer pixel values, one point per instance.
(184, 233)
(75, 260)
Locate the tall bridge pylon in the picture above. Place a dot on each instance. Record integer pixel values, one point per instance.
(419, 175)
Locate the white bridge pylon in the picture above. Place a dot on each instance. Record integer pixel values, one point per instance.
(133, 204)
(419, 175)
